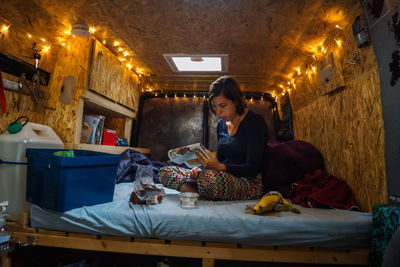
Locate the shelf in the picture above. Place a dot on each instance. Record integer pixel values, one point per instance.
(106, 149)
(93, 103)
(107, 107)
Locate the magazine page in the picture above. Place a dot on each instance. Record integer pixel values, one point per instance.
(186, 155)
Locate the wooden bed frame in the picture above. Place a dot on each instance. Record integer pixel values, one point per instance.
(207, 251)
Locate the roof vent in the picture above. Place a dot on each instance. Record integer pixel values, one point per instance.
(80, 30)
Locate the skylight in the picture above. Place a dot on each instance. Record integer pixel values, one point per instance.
(197, 63)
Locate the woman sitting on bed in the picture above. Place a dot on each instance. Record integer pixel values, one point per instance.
(231, 172)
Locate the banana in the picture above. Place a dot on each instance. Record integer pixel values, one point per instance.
(286, 206)
(273, 201)
(267, 202)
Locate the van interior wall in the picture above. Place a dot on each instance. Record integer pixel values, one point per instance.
(346, 125)
(16, 42)
(60, 61)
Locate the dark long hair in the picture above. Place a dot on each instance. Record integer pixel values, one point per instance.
(230, 89)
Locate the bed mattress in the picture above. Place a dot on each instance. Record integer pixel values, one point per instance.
(211, 221)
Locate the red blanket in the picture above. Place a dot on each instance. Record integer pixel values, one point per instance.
(321, 190)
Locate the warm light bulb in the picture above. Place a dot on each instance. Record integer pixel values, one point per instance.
(4, 28)
(313, 68)
(92, 29)
(126, 54)
(298, 70)
(116, 43)
(184, 94)
(104, 41)
(129, 66)
(122, 59)
(337, 26)
(44, 40)
(63, 44)
(339, 43)
(120, 49)
(29, 36)
(46, 48)
(314, 57)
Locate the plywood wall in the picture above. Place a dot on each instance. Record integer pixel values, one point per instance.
(72, 60)
(110, 77)
(16, 43)
(69, 60)
(346, 125)
(60, 61)
(67, 56)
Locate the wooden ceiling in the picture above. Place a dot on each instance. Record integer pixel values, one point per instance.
(265, 39)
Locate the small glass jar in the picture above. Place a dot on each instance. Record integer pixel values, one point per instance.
(188, 200)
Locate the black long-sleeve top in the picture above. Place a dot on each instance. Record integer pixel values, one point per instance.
(242, 152)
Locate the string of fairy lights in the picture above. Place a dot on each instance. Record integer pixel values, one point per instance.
(44, 46)
(309, 68)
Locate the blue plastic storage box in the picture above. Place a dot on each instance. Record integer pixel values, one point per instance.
(65, 183)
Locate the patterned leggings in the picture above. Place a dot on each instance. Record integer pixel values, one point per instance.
(212, 184)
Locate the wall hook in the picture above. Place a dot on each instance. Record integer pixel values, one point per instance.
(356, 58)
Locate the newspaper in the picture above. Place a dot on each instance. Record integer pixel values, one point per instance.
(186, 155)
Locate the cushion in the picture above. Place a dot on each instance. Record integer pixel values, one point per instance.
(286, 162)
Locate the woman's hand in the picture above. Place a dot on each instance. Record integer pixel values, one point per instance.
(194, 172)
(210, 163)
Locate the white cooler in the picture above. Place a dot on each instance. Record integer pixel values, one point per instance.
(13, 171)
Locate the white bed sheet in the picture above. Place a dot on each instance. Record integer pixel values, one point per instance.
(218, 221)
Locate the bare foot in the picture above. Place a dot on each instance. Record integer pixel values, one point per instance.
(188, 188)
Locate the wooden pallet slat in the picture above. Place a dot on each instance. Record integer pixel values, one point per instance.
(208, 251)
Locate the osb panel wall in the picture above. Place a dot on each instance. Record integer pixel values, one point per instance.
(16, 43)
(111, 78)
(346, 125)
(72, 60)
